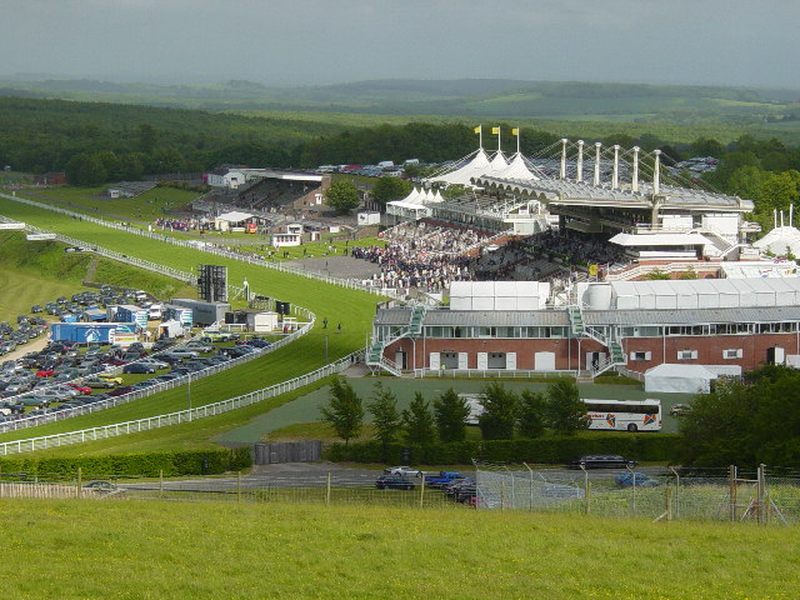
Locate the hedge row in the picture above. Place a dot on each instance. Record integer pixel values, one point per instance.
(200, 462)
(660, 447)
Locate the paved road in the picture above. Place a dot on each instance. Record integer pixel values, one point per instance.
(34, 346)
(309, 475)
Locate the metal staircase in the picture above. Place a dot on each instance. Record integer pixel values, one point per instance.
(617, 357)
(375, 358)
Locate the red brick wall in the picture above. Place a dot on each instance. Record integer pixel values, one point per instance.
(663, 350)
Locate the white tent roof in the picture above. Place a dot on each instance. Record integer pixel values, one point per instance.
(437, 197)
(406, 204)
(412, 197)
(498, 164)
(463, 175)
(659, 239)
(678, 378)
(777, 240)
(234, 216)
(517, 169)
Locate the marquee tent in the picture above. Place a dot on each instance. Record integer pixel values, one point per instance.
(678, 379)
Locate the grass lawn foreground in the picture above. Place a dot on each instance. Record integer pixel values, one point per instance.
(74, 549)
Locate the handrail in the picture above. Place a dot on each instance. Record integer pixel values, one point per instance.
(174, 418)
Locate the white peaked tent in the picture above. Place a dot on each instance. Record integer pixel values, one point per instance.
(477, 166)
(437, 197)
(517, 169)
(780, 238)
(679, 379)
(497, 165)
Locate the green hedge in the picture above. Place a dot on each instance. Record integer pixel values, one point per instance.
(199, 462)
(659, 447)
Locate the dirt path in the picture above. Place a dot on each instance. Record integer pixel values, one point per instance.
(34, 346)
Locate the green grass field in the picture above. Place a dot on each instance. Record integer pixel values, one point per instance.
(39, 272)
(152, 549)
(351, 308)
(145, 208)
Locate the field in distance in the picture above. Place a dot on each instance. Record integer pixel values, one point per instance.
(177, 550)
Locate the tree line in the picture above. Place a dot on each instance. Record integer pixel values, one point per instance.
(98, 142)
(506, 414)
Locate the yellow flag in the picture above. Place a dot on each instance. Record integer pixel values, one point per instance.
(515, 131)
(477, 129)
(495, 130)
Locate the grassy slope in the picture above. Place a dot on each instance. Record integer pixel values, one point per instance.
(40, 272)
(353, 309)
(177, 550)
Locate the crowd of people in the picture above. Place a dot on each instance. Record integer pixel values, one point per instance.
(176, 224)
(423, 255)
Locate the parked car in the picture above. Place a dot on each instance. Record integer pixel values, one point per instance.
(604, 461)
(443, 478)
(103, 487)
(680, 410)
(404, 471)
(111, 378)
(626, 479)
(394, 482)
(139, 368)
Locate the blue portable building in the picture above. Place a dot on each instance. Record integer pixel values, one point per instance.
(130, 313)
(89, 333)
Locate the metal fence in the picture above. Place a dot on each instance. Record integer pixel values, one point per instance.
(211, 249)
(653, 493)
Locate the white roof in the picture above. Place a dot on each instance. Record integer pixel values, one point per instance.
(517, 169)
(407, 204)
(234, 216)
(680, 371)
(413, 197)
(463, 175)
(659, 239)
(777, 240)
(498, 164)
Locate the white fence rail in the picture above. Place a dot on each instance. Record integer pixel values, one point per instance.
(46, 490)
(206, 247)
(175, 418)
(27, 422)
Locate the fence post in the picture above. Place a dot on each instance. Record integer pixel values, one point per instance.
(585, 489)
(762, 489)
(732, 492)
(422, 492)
(668, 502)
(161, 483)
(530, 490)
(80, 483)
(238, 487)
(677, 492)
(633, 488)
(328, 491)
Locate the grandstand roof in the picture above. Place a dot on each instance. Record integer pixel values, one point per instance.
(517, 170)
(234, 216)
(566, 192)
(477, 164)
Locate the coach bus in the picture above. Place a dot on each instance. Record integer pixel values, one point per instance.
(624, 415)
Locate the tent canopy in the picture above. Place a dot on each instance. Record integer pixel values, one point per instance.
(679, 379)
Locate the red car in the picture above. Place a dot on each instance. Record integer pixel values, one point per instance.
(86, 391)
(45, 373)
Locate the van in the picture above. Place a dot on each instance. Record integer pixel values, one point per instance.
(140, 295)
(154, 312)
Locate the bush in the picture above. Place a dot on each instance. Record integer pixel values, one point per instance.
(198, 462)
(655, 447)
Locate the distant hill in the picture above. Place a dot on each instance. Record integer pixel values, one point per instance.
(465, 97)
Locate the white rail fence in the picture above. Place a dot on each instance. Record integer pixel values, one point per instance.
(175, 418)
(209, 248)
(47, 490)
(27, 422)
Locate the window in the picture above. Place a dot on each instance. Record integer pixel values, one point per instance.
(641, 355)
(732, 353)
(687, 354)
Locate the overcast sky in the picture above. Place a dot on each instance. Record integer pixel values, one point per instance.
(728, 42)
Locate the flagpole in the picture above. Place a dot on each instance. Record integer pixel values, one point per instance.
(517, 140)
(499, 147)
(480, 136)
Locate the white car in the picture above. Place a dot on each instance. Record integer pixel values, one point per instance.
(404, 470)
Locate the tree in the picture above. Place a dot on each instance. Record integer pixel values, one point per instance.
(388, 189)
(344, 412)
(385, 417)
(500, 412)
(566, 414)
(418, 421)
(746, 423)
(451, 413)
(532, 411)
(342, 196)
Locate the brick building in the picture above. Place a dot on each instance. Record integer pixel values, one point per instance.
(627, 326)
